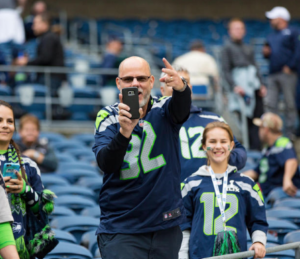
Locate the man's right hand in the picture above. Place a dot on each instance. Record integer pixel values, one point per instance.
(266, 51)
(127, 125)
(239, 90)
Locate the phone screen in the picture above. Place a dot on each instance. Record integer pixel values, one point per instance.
(9, 170)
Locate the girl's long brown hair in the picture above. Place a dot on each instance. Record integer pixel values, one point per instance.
(12, 142)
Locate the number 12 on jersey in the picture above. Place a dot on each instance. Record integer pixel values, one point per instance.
(212, 225)
(133, 155)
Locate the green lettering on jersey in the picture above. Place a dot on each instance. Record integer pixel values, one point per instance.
(256, 188)
(100, 117)
(282, 142)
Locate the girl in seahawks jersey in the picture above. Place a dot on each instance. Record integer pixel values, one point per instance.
(217, 198)
(24, 192)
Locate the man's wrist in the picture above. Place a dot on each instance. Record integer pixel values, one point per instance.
(125, 133)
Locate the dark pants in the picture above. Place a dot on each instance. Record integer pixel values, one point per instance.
(163, 244)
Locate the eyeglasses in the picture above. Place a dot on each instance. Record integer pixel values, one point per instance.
(129, 79)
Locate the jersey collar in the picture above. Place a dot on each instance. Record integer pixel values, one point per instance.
(2, 152)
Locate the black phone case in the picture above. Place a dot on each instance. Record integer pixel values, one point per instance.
(131, 98)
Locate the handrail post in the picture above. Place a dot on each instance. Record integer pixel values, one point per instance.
(297, 253)
(48, 100)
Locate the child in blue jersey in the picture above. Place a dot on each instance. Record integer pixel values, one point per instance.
(23, 192)
(244, 205)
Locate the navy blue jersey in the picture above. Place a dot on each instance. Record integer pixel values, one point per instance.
(34, 179)
(245, 211)
(192, 156)
(271, 165)
(144, 196)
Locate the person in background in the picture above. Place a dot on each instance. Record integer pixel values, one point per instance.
(111, 59)
(278, 166)
(192, 155)
(7, 242)
(50, 52)
(238, 63)
(201, 66)
(11, 24)
(282, 49)
(38, 8)
(33, 147)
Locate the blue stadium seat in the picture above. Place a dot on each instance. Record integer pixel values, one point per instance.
(5, 90)
(86, 138)
(51, 179)
(291, 237)
(281, 227)
(52, 137)
(73, 190)
(89, 241)
(64, 236)
(292, 215)
(76, 225)
(255, 155)
(276, 195)
(65, 145)
(68, 250)
(287, 254)
(60, 211)
(288, 202)
(72, 175)
(94, 184)
(92, 212)
(82, 153)
(77, 165)
(64, 157)
(76, 203)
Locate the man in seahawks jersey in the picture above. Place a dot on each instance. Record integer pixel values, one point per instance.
(192, 155)
(278, 166)
(140, 201)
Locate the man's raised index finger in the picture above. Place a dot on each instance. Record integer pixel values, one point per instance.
(167, 64)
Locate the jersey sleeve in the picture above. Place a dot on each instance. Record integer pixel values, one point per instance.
(187, 197)
(256, 213)
(238, 155)
(105, 128)
(287, 153)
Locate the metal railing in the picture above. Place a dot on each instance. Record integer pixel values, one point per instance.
(269, 250)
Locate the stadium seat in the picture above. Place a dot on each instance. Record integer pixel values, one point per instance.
(82, 153)
(86, 138)
(281, 227)
(276, 195)
(51, 179)
(60, 211)
(5, 90)
(73, 190)
(76, 203)
(66, 145)
(94, 184)
(286, 254)
(77, 165)
(292, 215)
(255, 155)
(52, 137)
(270, 239)
(89, 241)
(72, 175)
(92, 212)
(76, 225)
(288, 202)
(64, 157)
(68, 250)
(291, 237)
(64, 236)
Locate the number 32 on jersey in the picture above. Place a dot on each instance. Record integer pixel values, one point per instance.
(133, 156)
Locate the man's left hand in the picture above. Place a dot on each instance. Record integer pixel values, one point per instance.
(286, 70)
(259, 249)
(289, 187)
(22, 61)
(171, 78)
(262, 91)
(29, 152)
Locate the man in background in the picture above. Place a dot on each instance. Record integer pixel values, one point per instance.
(278, 166)
(281, 49)
(49, 52)
(202, 67)
(238, 65)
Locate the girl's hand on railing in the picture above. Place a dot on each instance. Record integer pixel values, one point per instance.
(259, 249)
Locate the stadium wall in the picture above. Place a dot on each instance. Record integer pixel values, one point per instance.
(170, 9)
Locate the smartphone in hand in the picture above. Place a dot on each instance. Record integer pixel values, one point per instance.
(131, 98)
(10, 169)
